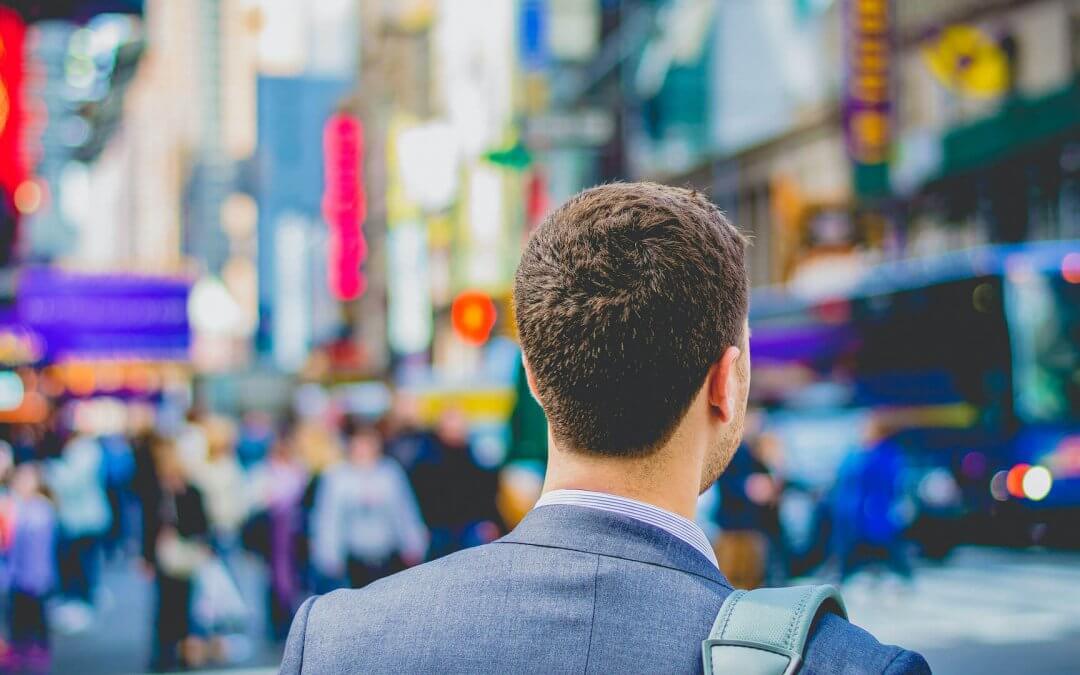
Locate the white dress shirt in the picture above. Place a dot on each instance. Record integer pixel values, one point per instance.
(672, 523)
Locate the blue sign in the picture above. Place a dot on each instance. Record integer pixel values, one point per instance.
(534, 31)
(91, 316)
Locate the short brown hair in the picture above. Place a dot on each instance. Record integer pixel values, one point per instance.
(624, 297)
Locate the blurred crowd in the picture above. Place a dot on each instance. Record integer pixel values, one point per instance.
(337, 500)
(323, 502)
(770, 527)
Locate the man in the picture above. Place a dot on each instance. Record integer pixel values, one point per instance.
(457, 497)
(631, 304)
(366, 522)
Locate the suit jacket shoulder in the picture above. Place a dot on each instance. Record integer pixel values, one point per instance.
(838, 646)
(292, 660)
(571, 590)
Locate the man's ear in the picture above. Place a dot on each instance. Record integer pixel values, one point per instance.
(530, 379)
(721, 384)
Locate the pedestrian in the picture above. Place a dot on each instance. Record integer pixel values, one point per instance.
(319, 449)
(31, 559)
(223, 485)
(742, 546)
(408, 441)
(631, 306)
(767, 488)
(458, 499)
(26, 442)
(175, 543)
(192, 439)
(255, 438)
(119, 464)
(76, 479)
(869, 503)
(279, 487)
(366, 523)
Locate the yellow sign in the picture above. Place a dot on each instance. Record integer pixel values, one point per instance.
(968, 61)
(478, 405)
(868, 80)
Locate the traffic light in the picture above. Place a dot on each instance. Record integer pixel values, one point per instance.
(472, 316)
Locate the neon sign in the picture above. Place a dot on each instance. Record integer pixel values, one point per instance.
(344, 205)
(867, 83)
(13, 171)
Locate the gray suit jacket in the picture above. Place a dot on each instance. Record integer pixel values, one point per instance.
(570, 590)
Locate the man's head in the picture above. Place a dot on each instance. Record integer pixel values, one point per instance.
(631, 303)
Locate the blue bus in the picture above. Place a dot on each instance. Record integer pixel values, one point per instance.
(973, 360)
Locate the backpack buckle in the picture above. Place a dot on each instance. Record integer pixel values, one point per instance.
(724, 657)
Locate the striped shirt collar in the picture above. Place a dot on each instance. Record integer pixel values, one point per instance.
(672, 523)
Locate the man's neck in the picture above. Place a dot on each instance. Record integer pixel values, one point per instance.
(659, 479)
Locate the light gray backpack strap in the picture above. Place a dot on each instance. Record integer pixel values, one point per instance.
(764, 631)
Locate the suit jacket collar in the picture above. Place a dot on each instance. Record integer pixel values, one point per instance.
(580, 528)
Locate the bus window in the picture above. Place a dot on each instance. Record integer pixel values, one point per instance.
(935, 345)
(1044, 324)
(940, 344)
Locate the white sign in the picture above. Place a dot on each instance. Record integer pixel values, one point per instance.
(409, 289)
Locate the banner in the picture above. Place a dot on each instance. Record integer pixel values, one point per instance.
(867, 103)
(96, 316)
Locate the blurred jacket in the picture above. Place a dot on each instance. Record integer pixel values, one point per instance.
(736, 508)
(31, 558)
(181, 513)
(225, 493)
(367, 513)
(77, 480)
(882, 493)
(571, 589)
(455, 496)
(278, 485)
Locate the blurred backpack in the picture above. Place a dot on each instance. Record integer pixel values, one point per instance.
(764, 631)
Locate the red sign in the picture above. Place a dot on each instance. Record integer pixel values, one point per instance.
(344, 204)
(537, 200)
(472, 316)
(12, 163)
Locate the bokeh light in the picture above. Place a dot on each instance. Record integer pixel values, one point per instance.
(998, 486)
(190, 274)
(1037, 483)
(1014, 482)
(28, 197)
(1070, 268)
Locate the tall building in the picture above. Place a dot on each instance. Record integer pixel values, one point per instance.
(840, 133)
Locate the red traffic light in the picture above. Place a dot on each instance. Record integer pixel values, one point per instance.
(472, 316)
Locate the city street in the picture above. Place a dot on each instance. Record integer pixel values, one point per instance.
(986, 611)
(119, 642)
(328, 287)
